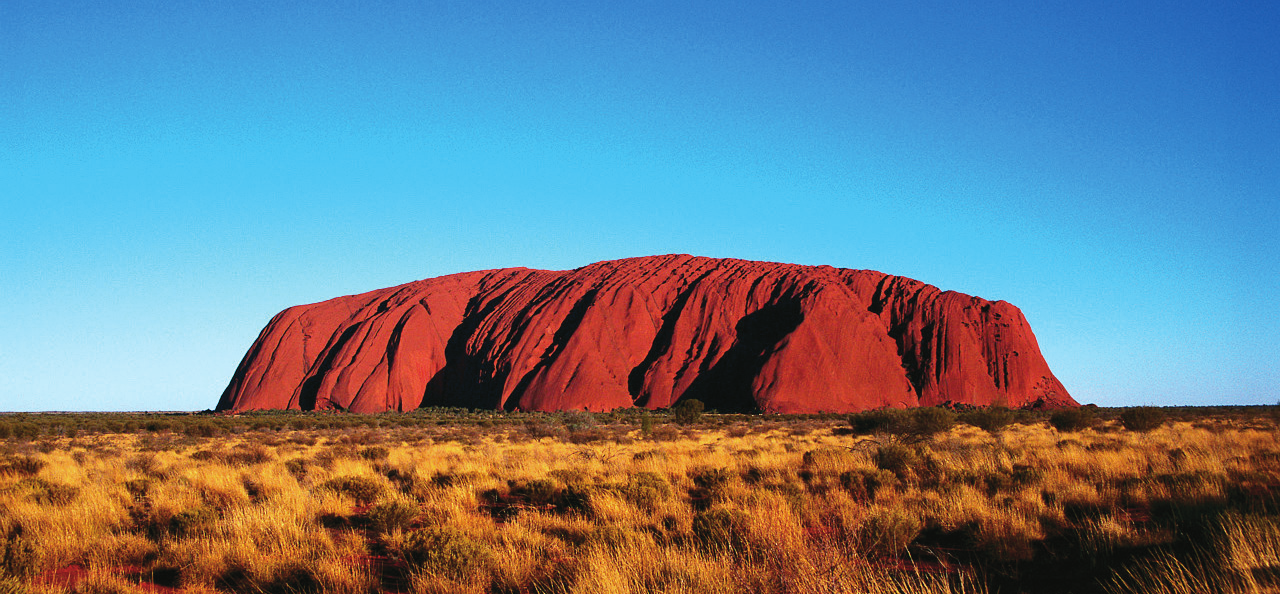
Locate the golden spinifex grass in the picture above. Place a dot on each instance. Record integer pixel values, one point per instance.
(739, 506)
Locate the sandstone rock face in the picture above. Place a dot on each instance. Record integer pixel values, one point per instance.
(738, 335)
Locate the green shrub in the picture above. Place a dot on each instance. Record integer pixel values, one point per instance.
(447, 552)
(158, 426)
(296, 467)
(146, 463)
(193, 520)
(687, 412)
(888, 532)
(363, 489)
(25, 431)
(647, 490)
(928, 421)
(1026, 474)
(1073, 419)
(47, 493)
(1142, 418)
(896, 458)
(394, 513)
(21, 465)
(721, 529)
(863, 485)
(538, 429)
(574, 498)
(587, 435)
(918, 423)
(139, 487)
(202, 429)
(18, 555)
(536, 492)
(289, 578)
(713, 482)
(577, 420)
(884, 420)
(992, 419)
(665, 433)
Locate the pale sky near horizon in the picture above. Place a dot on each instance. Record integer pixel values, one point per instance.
(174, 174)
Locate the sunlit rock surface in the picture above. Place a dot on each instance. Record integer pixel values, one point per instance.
(738, 335)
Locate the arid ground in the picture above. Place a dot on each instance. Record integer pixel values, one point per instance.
(1111, 500)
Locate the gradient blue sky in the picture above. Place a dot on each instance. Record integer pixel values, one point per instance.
(173, 173)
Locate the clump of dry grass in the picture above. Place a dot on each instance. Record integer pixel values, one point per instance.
(588, 503)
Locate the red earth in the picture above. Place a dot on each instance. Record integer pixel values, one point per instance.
(738, 335)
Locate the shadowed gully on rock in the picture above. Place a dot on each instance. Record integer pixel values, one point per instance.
(735, 334)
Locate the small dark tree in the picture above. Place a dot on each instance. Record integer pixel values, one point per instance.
(915, 424)
(883, 420)
(1142, 418)
(992, 419)
(1073, 419)
(688, 412)
(928, 421)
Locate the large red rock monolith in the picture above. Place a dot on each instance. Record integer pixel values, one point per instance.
(736, 334)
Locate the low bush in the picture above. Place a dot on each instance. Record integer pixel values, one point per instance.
(647, 490)
(884, 420)
(863, 485)
(721, 530)
(446, 552)
(24, 431)
(18, 555)
(192, 520)
(203, 429)
(928, 421)
(363, 489)
(664, 433)
(1073, 419)
(588, 435)
(389, 514)
(539, 494)
(1142, 418)
(991, 419)
(888, 532)
(687, 412)
(48, 493)
(712, 484)
(646, 423)
(21, 465)
(297, 467)
(288, 578)
(916, 424)
(897, 458)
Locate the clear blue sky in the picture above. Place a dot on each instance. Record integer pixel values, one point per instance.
(172, 174)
